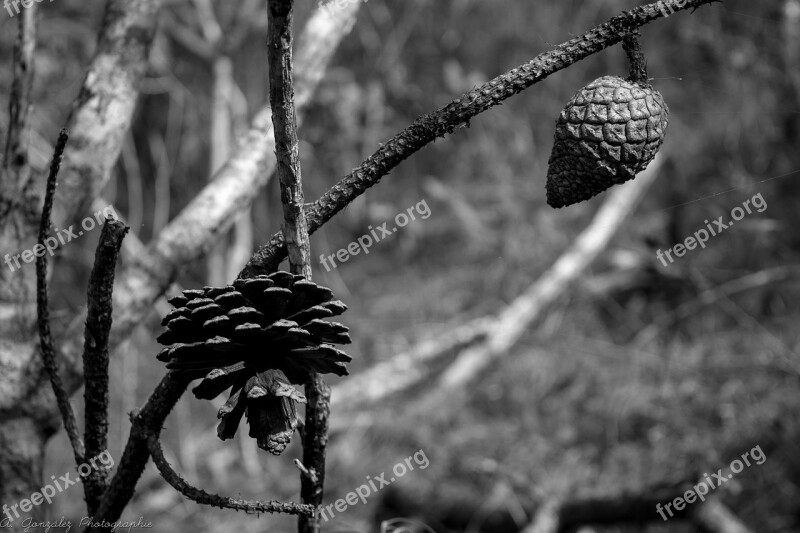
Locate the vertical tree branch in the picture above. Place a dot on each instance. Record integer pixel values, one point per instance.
(315, 441)
(45, 338)
(95, 355)
(281, 99)
(295, 233)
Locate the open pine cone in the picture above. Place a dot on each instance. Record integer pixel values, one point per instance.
(257, 337)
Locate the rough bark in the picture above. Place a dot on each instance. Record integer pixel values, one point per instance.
(95, 355)
(287, 149)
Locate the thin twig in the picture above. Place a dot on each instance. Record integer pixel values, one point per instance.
(284, 121)
(45, 337)
(223, 502)
(457, 114)
(95, 355)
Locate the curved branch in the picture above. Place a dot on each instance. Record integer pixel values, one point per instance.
(457, 114)
(45, 337)
(223, 502)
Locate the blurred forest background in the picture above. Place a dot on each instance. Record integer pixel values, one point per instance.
(640, 375)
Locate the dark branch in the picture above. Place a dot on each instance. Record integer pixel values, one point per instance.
(45, 338)
(95, 355)
(458, 113)
(202, 497)
(315, 441)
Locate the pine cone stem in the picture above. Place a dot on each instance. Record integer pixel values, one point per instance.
(638, 64)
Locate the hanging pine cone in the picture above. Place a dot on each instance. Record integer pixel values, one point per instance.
(607, 133)
(257, 337)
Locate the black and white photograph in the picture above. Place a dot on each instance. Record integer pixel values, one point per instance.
(399, 266)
